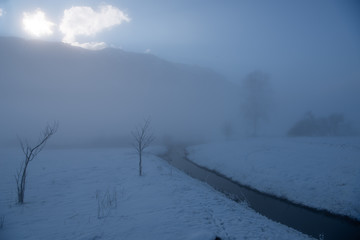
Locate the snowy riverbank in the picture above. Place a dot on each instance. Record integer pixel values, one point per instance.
(322, 173)
(64, 187)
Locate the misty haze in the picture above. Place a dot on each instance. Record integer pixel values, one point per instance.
(179, 120)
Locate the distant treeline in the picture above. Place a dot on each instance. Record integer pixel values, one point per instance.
(332, 125)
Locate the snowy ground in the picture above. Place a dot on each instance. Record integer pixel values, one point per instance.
(323, 173)
(64, 187)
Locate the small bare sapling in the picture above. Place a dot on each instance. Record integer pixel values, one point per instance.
(30, 152)
(142, 139)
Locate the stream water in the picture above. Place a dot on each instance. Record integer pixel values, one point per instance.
(318, 224)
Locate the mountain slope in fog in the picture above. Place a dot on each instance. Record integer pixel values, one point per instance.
(106, 93)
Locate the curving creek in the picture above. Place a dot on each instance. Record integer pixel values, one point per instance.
(318, 224)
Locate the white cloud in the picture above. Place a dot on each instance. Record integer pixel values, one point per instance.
(1, 12)
(148, 50)
(36, 23)
(84, 21)
(90, 45)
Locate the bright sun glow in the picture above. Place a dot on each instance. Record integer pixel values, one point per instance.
(36, 23)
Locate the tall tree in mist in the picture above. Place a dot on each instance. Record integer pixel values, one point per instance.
(30, 152)
(256, 93)
(142, 139)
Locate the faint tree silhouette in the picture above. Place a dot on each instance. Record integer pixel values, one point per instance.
(332, 125)
(256, 99)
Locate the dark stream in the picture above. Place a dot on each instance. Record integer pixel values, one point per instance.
(318, 224)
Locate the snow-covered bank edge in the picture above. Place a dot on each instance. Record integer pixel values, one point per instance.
(276, 167)
(304, 219)
(285, 200)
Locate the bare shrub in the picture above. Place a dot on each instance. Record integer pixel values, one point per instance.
(106, 201)
(2, 221)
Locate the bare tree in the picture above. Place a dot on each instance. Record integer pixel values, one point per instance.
(142, 139)
(30, 153)
(256, 99)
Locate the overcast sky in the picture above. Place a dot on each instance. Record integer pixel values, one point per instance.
(309, 48)
(233, 37)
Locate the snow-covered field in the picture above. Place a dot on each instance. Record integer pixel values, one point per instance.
(323, 173)
(64, 188)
